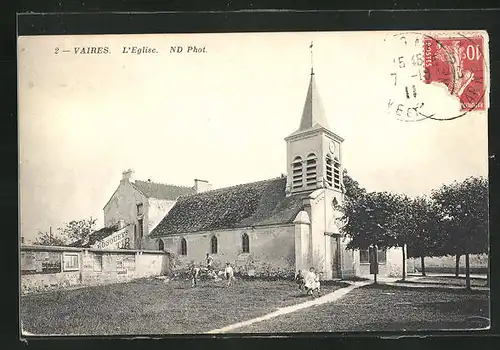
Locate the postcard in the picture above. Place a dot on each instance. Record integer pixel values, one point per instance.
(241, 183)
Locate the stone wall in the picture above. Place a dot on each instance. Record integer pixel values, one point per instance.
(271, 253)
(156, 210)
(446, 264)
(123, 206)
(46, 268)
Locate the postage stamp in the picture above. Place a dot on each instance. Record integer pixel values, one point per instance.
(440, 76)
(458, 63)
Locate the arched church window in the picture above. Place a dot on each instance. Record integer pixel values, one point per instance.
(213, 245)
(297, 173)
(336, 173)
(184, 247)
(245, 243)
(329, 170)
(161, 245)
(311, 170)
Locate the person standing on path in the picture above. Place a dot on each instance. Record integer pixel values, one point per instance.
(209, 260)
(229, 273)
(194, 274)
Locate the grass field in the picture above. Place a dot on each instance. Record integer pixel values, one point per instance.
(151, 306)
(385, 308)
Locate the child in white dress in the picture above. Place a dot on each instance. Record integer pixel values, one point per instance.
(312, 282)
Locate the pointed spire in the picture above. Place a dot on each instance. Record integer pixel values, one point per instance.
(313, 112)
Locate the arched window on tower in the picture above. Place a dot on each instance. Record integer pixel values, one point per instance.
(336, 174)
(297, 173)
(245, 243)
(184, 247)
(329, 170)
(311, 172)
(161, 245)
(213, 245)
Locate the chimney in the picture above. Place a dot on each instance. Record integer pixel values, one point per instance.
(127, 175)
(202, 185)
(121, 224)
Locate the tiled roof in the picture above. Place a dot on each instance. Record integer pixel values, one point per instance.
(95, 237)
(252, 204)
(162, 191)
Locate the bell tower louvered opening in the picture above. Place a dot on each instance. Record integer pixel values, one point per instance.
(336, 174)
(311, 170)
(329, 170)
(297, 173)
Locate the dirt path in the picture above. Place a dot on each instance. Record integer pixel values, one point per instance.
(328, 298)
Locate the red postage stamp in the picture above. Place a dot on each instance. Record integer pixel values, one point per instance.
(457, 62)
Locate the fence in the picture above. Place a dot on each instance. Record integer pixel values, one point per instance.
(51, 267)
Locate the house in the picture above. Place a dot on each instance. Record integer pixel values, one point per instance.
(140, 205)
(280, 225)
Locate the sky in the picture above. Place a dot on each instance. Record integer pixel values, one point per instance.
(220, 115)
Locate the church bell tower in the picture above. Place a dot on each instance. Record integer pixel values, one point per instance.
(314, 157)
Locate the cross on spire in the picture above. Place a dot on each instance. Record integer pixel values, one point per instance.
(311, 47)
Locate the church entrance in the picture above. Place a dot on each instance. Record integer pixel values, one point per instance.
(335, 257)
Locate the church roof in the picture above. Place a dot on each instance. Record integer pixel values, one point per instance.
(252, 204)
(161, 191)
(313, 113)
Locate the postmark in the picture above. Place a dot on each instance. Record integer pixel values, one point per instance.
(437, 76)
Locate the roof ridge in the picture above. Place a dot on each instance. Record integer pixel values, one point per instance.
(162, 183)
(233, 186)
(262, 202)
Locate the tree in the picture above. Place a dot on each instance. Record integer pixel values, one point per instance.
(404, 225)
(369, 218)
(352, 189)
(78, 229)
(421, 226)
(47, 238)
(464, 211)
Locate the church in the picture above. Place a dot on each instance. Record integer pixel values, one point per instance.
(273, 227)
(276, 226)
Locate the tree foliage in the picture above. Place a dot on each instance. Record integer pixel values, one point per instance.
(463, 207)
(424, 236)
(369, 217)
(78, 229)
(453, 220)
(48, 238)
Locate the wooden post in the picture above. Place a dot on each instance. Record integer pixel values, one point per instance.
(422, 259)
(457, 265)
(404, 262)
(373, 258)
(488, 270)
(467, 271)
